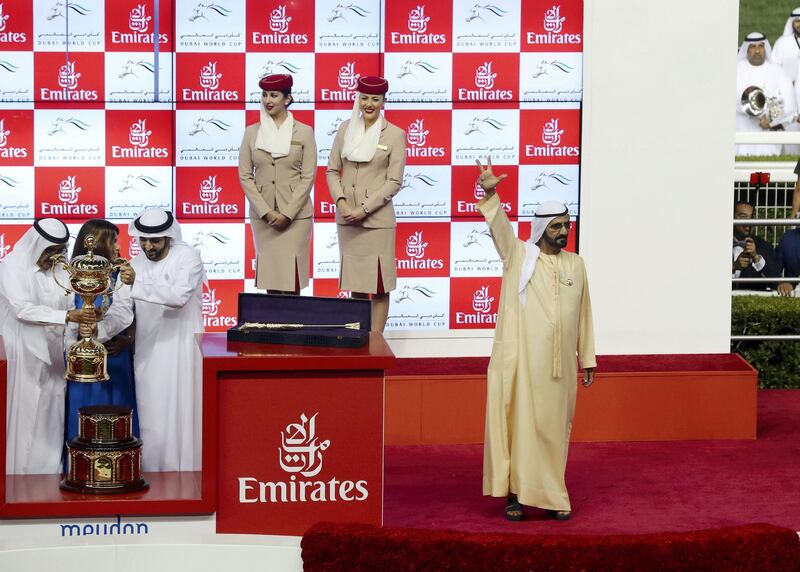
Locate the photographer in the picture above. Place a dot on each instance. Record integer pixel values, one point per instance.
(753, 257)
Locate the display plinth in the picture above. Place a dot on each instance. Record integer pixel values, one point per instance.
(300, 434)
(170, 493)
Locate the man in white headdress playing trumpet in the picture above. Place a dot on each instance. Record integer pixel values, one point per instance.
(755, 72)
(544, 322)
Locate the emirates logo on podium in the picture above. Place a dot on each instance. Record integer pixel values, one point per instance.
(300, 450)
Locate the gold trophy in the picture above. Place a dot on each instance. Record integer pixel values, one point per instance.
(90, 277)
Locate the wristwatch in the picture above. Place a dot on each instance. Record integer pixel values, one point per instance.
(366, 210)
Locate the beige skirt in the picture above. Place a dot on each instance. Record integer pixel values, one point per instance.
(281, 255)
(361, 251)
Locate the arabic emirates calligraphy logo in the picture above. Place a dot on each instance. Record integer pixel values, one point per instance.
(348, 78)
(210, 303)
(3, 19)
(4, 248)
(67, 77)
(139, 136)
(551, 134)
(415, 246)
(138, 21)
(279, 21)
(133, 247)
(478, 191)
(68, 192)
(4, 133)
(553, 20)
(481, 301)
(209, 191)
(417, 134)
(209, 78)
(417, 20)
(484, 78)
(300, 450)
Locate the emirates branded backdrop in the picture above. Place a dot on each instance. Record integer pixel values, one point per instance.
(107, 107)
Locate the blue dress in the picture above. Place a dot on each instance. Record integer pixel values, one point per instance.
(119, 390)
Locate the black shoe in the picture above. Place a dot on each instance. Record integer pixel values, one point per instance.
(559, 514)
(514, 510)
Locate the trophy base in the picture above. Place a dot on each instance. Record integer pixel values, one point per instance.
(87, 362)
(83, 487)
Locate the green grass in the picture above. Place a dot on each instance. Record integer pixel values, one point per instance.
(766, 16)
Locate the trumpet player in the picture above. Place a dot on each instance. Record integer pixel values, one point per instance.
(778, 108)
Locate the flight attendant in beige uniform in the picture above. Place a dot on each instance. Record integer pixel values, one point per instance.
(277, 162)
(365, 171)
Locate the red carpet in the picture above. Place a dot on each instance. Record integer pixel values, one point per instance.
(618, 488)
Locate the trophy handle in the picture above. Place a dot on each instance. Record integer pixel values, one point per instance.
(59, 259)
(117, 265)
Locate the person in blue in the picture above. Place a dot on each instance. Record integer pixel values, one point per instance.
(119, 390)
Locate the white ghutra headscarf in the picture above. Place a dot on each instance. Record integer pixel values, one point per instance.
(755, 38)
(544, 215)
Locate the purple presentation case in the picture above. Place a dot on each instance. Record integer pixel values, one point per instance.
(288, 309)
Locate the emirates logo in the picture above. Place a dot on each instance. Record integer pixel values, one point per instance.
(417, 20)
(138, 20)
(301, 450)
(478, 191)
(209, 78)
(415, 245)
(553, 20)
(482, 301)
(551, 134)
(67, 76)
(279, 21)
(484, 77)
(4, 133)
(4, 248)
(3, 19)
(139, 135)
(209, 191)
(416, 134)
(348, 78)
(211, 303)
(133, 247)
(68, 192)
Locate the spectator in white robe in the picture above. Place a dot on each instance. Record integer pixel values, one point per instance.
(754, 69)
(164, 290)
(33, 314)
(786, 52)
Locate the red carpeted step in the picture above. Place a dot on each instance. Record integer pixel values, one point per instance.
(362, 548)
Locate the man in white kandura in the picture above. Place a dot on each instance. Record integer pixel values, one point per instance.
(33, 314)
(754, 70)
(786, 52)
(544, 320)
(166, 288)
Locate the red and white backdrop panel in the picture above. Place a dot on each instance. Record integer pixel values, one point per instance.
(109, 107)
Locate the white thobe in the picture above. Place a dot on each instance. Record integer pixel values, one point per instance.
(786, 53)
(167, 297)
(775, 83)
(32, 323)
(532, 377)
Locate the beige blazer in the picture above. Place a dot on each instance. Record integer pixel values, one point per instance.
(282, 184)
(373, 184)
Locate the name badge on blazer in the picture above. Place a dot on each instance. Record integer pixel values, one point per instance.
(383, 147)
(296, 142)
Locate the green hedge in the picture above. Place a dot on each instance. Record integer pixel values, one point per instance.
(777, 362)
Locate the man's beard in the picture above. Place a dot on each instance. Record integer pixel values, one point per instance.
(558, 242)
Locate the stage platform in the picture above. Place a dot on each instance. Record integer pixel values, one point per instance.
(618, 488)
